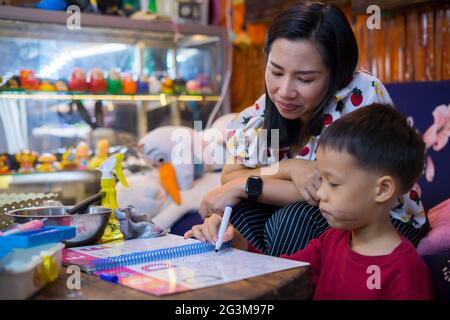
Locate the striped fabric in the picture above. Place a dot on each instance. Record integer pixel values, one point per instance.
(276, 231)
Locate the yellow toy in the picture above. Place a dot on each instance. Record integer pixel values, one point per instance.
(69, 159)
(167, 86)
(109, 167)
(4, 168)
(82, 156)
(48, 163)
(101, 154)
(26, 160)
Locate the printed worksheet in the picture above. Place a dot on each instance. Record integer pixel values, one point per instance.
(172, 273)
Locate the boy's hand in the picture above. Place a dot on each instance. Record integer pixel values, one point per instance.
(209, 229)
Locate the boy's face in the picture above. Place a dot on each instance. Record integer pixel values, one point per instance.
(347, 193)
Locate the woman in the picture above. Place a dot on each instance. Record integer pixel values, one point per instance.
(310, 82)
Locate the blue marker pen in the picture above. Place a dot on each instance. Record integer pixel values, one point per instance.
(109, 277)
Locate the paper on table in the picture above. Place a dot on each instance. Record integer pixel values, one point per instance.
(187, 273)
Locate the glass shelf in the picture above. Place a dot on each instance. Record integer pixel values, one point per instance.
(50, 95)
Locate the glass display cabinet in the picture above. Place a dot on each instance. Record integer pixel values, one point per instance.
(113, 78)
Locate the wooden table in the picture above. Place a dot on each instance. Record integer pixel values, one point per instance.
(288, 284)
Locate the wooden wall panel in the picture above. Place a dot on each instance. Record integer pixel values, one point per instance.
(412, 45)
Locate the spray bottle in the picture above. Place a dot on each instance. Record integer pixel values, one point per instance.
(109, 167)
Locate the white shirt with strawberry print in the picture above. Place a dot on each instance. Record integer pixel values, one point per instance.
(364, 89)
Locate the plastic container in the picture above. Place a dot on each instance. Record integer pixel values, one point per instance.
(23, 272)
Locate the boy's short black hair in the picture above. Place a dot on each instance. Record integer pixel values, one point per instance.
(379, 138)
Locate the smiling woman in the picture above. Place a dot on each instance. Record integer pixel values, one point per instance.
(311, 81)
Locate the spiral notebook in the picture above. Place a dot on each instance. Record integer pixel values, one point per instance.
(171, 264)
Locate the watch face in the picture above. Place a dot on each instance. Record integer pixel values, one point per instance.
(254, 185)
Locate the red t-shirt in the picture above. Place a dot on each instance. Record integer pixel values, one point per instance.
(340, 273)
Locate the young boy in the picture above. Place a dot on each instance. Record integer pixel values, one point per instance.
(366, 159)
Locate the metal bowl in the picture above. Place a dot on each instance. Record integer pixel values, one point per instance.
(90, 225)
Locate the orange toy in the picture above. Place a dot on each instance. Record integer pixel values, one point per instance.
(4, 169)
(129, 86)
(28, 80)
(26, 160)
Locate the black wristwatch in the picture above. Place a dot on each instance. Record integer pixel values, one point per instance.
(253, 188)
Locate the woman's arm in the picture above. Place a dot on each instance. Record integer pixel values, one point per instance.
(277, 192)
(302, 186)
(280, 170)
(287, 181)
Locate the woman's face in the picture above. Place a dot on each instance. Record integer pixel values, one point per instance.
(296, 78)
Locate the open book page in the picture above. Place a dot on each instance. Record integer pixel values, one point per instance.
(186, 273)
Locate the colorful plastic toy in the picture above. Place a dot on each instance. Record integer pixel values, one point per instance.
(179, 86)
(46, 86)
(26, 160)
(4, 167)
(114, 82)
(78, 80)
(28, 80)
(61, 86)
(193, 87)
(101, 154)
(154, 86)
(69, 159)
(48, 163)
(142, 84)
(129, 86)
(205, 85)
(12, 84)
(82, 156)
(98, 82)
(167, 86)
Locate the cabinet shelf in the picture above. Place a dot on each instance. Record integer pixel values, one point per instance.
(50, 95)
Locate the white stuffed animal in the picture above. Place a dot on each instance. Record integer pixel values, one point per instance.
(170, 189)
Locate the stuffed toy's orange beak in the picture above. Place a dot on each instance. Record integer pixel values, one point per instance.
(168, 178)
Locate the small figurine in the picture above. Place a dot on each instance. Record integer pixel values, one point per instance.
(78, 80)
(142, 84)
(129, 86)
(12, 83)
(154, 86)
(26, 160)
(167, 86)
(98, 82)
(101, 154)
(61, 86)
(46, 86)
(205, 86)
(82, 156)
(48, 163)
(114, 82)
(179, 86)
(69, 159)
(28, 80)
(4, 167)
(193, 87)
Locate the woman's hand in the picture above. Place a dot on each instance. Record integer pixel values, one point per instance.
(209, 229)
(306, 177)
(217, 199)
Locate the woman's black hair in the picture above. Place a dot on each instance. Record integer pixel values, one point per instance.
(327, 28)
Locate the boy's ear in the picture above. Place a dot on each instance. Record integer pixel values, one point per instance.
(385, 189)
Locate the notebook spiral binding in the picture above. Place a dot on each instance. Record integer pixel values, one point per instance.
(154, 255)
